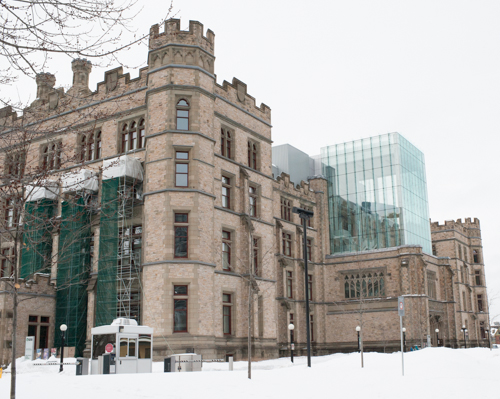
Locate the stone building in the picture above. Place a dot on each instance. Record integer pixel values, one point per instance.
(177, 220)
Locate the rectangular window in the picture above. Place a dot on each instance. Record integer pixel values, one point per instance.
(309, 222)
(431, 285)
(180, 308)
(226, 192)
(226, 313)
(226, 250)
(252, 195)
(364, 284)
(38, 327)
(15, 163)
(309, 249)
(226, 143)
(287, 244)
(480, 307)
(477, 274)
(289, 284)
(464, 302)
(181, 169)
(51, 155)
(312, 326)
(286, 209)
(310, 286)
(256, 260)
(181, 235)
(475, 256)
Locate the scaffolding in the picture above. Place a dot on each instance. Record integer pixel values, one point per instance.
(73, 271)
(119, 273)
(36, 254)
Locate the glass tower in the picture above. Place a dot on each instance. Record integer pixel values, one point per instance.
(377, 194)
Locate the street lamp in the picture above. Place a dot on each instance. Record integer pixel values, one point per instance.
(464, 330)
(404, 339)
(358, 329)
(437, 336)
(305, 215)
(63, 328)
(291, 327)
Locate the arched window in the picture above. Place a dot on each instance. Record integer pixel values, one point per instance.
(225, 143)
(133, 135)
(142, 134)
(182, 115)
(83, 148)
(364, 285)
(98, 144)
(125, 146)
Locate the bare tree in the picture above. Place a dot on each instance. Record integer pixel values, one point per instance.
(32, 30)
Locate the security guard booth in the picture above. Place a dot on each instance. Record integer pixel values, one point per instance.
(129, 345)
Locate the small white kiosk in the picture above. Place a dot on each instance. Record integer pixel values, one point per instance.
(129, 345)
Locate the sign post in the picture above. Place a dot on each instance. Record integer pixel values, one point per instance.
(29, 351)
(401, 313)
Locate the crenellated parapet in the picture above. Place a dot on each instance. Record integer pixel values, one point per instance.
(236, 93)
(303, 189)
(176, 47)
(458, 225)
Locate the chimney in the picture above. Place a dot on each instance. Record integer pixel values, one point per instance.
(45, 83)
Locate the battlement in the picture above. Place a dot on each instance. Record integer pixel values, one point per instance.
(172, 34)
(303, 189)
(456, 224)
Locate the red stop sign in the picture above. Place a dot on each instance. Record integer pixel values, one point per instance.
(109, 348)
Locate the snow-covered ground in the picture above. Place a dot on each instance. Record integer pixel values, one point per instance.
(429, 373)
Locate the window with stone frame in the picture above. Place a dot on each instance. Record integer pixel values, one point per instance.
(226, 142)
(480, 304)
(311, 326)
(227, 191)
(15, 163)
(6, 268)
(51, 155)
(226, 250)
(309, 222)
(38, 327)
(431, 284)
(310, 286)
(286, 209)
(180, 308)
(181, 229)
(475, 255)
(434, 250)
(477, 276)
(256, 257)
(90, 146)
(287, 243)
(253, 154)
(227, 313)
(182, 115)
(133, 134)
(364, 284)
(181, 168)
(309, 249)
(253, 199)
(289, 284)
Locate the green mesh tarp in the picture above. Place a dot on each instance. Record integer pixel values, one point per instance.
(73, 273)
(37, 241)
(106, 297)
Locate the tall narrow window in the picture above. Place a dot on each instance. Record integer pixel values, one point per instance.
(309, 222)
(477, 274)
(227, 305)
(181, 235)
(475, 256)
(226, 143)
(310, 286)
(287, 244)
(226, 192)
(286, 209)
(311, 324)
(309, 249)
(142, 134)
(182, 115)
(480, 307)
(181, 169)
(252, 195)
(289, 284)
(252, 155)
(15, 163)
(125, 141)
(256, 260)
(180, 308)
(226, 250)
(51, 155)
(434, 250)
(83, 151)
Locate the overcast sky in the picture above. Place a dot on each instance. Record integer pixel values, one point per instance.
(335, 71)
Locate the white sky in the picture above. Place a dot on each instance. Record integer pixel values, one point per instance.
(335, 71)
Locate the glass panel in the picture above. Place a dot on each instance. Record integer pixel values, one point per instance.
(131, 347)
(180, 289)
(123, 347)
(181, 167)
(181, 218)
(182, 155)
(144, 346)
(182, 124)
(181, 180)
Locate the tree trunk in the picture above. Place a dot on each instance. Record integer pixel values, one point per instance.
(250, 329)
(14, 333)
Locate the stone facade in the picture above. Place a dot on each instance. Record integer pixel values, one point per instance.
(233, 201)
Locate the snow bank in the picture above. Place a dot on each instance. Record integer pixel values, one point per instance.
(429, 373)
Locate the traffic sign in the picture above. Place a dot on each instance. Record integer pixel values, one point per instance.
(401, 306)
(109, 348)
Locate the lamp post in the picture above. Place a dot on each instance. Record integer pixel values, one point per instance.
(404, 339)
(291, 327)
(437, 336)
(305, 215)
(63, 328)
(358, 329)
(464, 330)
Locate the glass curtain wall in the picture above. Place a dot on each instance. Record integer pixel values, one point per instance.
(377, 194)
